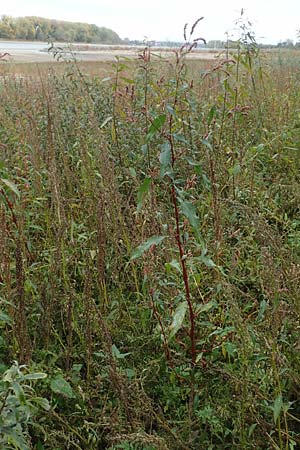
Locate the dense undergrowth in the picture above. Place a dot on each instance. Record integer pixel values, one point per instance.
(149, 255)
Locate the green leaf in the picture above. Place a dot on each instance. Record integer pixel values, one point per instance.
(206, 307)
(180, 138)
(277, 407)
(165, 158)
(207, 261)
(117, 354)
(260, 147)
(230, 349)
(145, 246)
(144, 149)
(235, 170)
(60, 386)
(212, 113)
(11, 186)
(130, 373)
(156, 125)
(174, 264)
(189, 211)
(41, 402)
(251, 429)
(171, 110)
(178, 318)
(35, 376)
(128, 80)
(143, 190)
(16, 438)
(207, 144)
(39, 446)
(18, 390)
(262, 309)
(132, 172)
(4, 318)
(165, 155)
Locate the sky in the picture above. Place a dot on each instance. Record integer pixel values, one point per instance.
(272, 20)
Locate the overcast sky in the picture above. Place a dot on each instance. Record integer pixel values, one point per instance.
(273, 20)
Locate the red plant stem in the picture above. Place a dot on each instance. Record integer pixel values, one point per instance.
(14, 218)
(185, 278)
(177, 234)
(11, 208)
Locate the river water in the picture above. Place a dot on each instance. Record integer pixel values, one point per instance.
(27, 51)
(20, 45)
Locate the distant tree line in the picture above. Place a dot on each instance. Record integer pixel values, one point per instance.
(218, 44)
(40, 29)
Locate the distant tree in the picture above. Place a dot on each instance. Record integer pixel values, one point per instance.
(38, 28)
(288, 43)
(215, 44)
(7, 29)
(297, 44)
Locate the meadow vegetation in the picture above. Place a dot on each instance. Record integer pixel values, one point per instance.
(149, 253)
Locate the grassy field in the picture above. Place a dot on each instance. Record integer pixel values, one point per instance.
(150, 253)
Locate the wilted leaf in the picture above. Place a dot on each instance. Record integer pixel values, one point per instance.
(108, 119)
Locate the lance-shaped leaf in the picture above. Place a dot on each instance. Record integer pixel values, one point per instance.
(142, 192)
(178, 318)
(189, 211)
(156, 125)
(277, 408)
(145, 246)
(11, 186)
(60, 386)
(165, 158)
